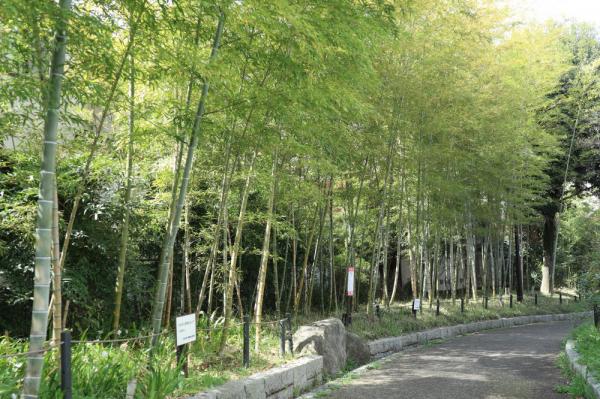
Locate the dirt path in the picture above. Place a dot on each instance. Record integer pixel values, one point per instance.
(517, 362)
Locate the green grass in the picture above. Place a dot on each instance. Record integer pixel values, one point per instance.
(99, 371)
(398, 319)
(587, 344)
(103, 371)
(576, 387)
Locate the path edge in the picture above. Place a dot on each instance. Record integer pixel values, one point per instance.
(573, 357)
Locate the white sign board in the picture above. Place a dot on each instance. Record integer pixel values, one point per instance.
(416, 304)
(350, 291)
(185, 328)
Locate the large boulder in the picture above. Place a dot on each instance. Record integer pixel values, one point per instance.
(326, 338)
(357, 349)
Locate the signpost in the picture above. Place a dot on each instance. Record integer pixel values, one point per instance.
(416, 305)
(350, 291)
(349, 296)
(185, 332)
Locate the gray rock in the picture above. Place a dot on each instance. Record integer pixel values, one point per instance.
(254, 387)
(287, 393)
(204, 395)
(357, 349)
(230, 390)
(278, 379)
(326, 338)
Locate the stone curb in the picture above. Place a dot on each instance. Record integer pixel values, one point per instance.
(385, 346)
(579, 368)
(283, 382)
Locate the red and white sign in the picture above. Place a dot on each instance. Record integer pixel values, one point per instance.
(350, 291)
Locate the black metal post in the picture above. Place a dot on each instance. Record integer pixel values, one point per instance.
(437, 307)
(349, 300)
(282, 337)
(511, 300)
(246, 360)
(181, 353)
(289, 333)
(536, 300)
(65, 365)
(462, 305)
(596, 318)
(560, 298)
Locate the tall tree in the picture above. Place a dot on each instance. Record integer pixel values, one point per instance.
(43, 251)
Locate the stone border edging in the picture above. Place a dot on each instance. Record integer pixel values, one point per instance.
(384, 346)
(579, 368)
(282, 382)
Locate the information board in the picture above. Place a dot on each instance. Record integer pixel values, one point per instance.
(416, 304)
(350, 291)
(185, 328)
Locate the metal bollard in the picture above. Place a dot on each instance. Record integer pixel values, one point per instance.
(282, 337)
(596, 316)
(511, 301)
(560, 298)
(485, 302)
(536, 300)
(437, 308)
(289, 333)
(65, 365)
(462, 305)
(246, 360)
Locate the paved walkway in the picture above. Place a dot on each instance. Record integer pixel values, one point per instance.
(518, 362)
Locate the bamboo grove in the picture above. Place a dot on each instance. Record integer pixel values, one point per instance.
(235, 157)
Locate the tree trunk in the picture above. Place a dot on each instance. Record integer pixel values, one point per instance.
(386, 242)
(127, 200)
(412, 259)
(464, 260)
(332, 285)
(519, 264)
(57, 278)
(232, 279)
(549, 240)
(304, 275)
(453, 272)
(484, 268)
(187, 263)
(492, 265)
(276, 274)
(284, 275)
(397, 271)
(159, 300)
(43, 245)
(294, 291)
(471, 262)
(167, 313)
(264, 260)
